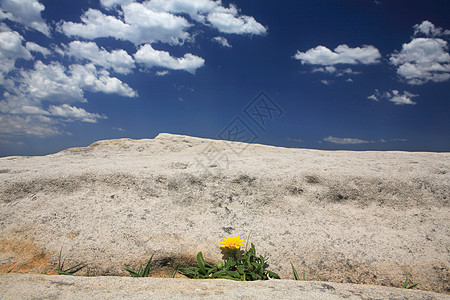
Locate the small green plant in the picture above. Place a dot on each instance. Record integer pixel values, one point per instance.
(405, 284)
(142, 272)
(245, 267)
(296, 277)
(69, 271)
(10, 271)
(174, 272)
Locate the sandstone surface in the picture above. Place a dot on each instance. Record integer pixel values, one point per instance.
(76, 287)
(339, 216)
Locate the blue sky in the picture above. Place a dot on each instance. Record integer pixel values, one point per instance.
(341, 75)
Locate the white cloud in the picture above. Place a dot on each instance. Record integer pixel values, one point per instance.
(118, 60)
(222, 41)
(26, 12)
(157, 21)
(30, 125)
(89, 78)
(33, 47)
(71, 112)
(162, 73)
(50, 83)
(335, 71)
(325, 81)
(400, 98)
(194, 8)
(428, 29)
(373, 97)
(394, 96)
(423, 60)
(342, 54)
(155, 58)
(141, 25)
(227, 21)
(112, 3)
(27, 95)
(344, 141)
(11, 49)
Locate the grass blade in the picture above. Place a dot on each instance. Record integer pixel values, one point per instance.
(296, 277)
(174, 272)
(147, 267)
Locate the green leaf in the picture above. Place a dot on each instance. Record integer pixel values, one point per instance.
(132, 273)
(201, 263)
(218, 273)
(230, 262)
(412, 286)
(273, 275)
(240, 269)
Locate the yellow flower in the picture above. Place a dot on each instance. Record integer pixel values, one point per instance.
(232, 242)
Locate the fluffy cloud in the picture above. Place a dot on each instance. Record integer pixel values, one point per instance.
(26, 12)
(37, 98)
(11, 49)
(222, 41)
(345, 141)
(423, 60)
(342, 54)
(394, 96)
(91, 79)
(33, 47)
(57, 84)
(196, 9)
(118, 60)
(227, 21)
(27, 95)
(156, 21)
(71, 112)
(141, 25)
(112, 3)
(31, 125)
(155, 58)
(400, 98)
(428, 29)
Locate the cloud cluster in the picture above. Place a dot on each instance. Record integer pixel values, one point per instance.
(425, 58)
(160, 21)
(25, 12)
(394, 96)
(38, 99)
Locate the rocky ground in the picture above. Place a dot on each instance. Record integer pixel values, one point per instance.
(338, 216)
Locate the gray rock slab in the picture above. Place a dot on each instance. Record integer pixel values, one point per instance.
(369, 217)
(26, 286)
